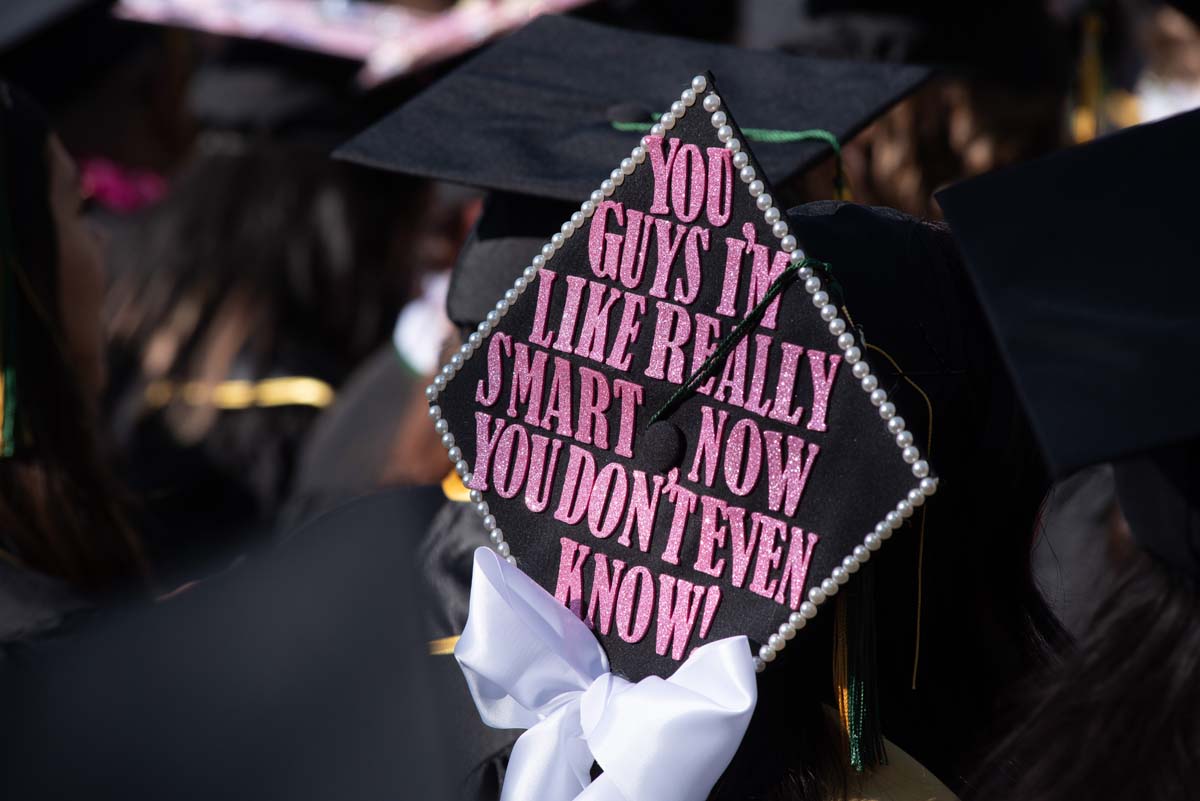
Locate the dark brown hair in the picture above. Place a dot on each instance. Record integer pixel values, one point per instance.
(60, 509)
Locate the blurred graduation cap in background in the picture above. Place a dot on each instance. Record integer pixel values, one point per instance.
(300, 674)
(22, 19)
(542, 115)
(1085, 263)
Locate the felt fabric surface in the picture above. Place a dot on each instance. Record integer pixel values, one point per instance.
(534, 113)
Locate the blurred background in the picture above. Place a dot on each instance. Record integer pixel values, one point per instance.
(254, 281)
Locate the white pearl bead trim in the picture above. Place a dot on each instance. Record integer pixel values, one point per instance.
(861, 370)
(851, 353)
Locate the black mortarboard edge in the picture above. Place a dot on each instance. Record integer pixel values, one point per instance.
(1084, 261)
(874, 462)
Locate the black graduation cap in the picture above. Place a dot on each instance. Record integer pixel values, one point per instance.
(21, 19)
(1085, 262)
(547, 109)
(668, 493)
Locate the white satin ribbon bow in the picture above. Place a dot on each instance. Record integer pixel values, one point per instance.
(532, 664)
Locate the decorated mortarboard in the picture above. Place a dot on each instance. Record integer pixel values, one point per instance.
(546, 109)
(1085, 263)
(672, 431)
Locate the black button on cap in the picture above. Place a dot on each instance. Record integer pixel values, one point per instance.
(662, 446)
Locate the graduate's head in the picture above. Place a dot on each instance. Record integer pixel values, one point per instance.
(56, 501)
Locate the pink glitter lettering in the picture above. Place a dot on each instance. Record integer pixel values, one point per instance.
(743, 457)
(685, 503)
(633, 308)
(769, 552)
(538, 335)
(511, 461)
(661, 167)
(785, 484)
(570, 312)
(697, 240)
(568, 590)
(604, 264)
(630, 396)
(708, 446)
(633, 622)
(541, 472)
(485, 443)
(720, 186)
(497, 344)
(687, 183)
(668, 249)
(712, 536)
(795, 569)
(607, 504)
(672, 330)
(677, 613)
(785, 387)
(577, 486)
(643, 507)
(604, 592)
(822, 382)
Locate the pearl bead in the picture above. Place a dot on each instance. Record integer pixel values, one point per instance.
(887, 411)
(501, 309)
(699, 84)
(627, 165)
(512, 560)
(481, 508)
(869, 383)
(503, 549)
(808, 610)
(455, 453)
(531, 271)
(476, 496)
(904, 439)
(829, 587)
(894, 519)
(463, 469)
(828, 312)
(577, 219)
(861, 554)
(905, 508)
(766, 653)
(757, 188)
(878, 397)
(779, 229)
(850, 564)
(496, 536)
(928, 486)
(776, 642)
(597, 197)
(820, 298)
(456, 361)
(539, 260)
(435, 411)
(489, 522)
(895, 425)
(711, 103)
(733, 145)
(816, 596)
(656, 129)
(798, 257)
(678, 108)
(840, 574)
(916, 497)
(921, 469)
(787, 631)
(607, 187)
(796, 620)
(431, 392)
(439, 381)
(718, 119)
(724, 133)
(837, 327)
(861, 370)
(788, 244)
(616, 176)
(771, 215)
(759, 665)
(740, 160)
(638, 154)
(812, 285)
(588, 208)
(512, 294)
(873, 542)
(521, 283)
(667, 122)
(882, 528)
(853, 354)
(746, 174)
(441, 426)
(688, 96)
(764, 202)
(492, 318)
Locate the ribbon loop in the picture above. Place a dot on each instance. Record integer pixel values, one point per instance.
(531, 663)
